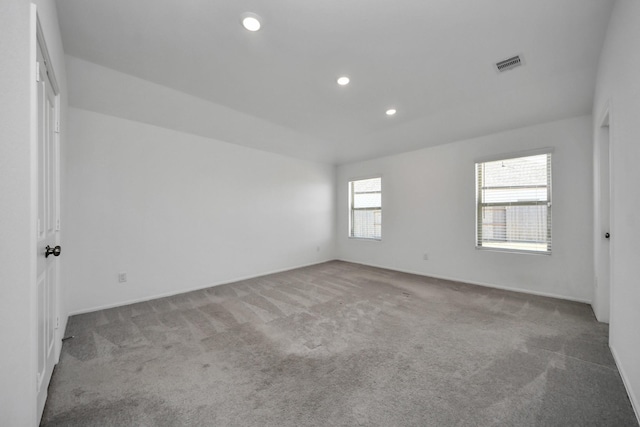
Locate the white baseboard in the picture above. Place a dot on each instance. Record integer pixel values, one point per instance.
(237, 279)
(635, 403)
(473, 282)
(184, 291)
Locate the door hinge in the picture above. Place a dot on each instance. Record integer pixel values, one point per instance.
(57, 127)
(58, 224)
(57, 322)
(37, 71)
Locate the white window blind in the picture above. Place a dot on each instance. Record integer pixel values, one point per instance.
(365, 201)
(514, 204)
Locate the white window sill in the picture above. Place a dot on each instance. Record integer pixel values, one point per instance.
(366, 239)
(511, 250)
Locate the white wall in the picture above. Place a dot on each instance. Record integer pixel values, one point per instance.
(17, 208)
(428, 206)
(619, 84)
(178, 212)
(17, 369)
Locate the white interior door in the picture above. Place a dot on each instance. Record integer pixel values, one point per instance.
(602, 295)
(47, 227)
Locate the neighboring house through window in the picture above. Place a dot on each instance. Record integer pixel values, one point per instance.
(513, 204)
(365, 208)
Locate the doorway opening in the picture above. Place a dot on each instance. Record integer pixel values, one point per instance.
(602, 220)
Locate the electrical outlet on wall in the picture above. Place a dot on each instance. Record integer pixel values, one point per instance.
(317, 248)
(425, 257)
(122, 277)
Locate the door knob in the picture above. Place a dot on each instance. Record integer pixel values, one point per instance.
(607, 235)
(52, 251)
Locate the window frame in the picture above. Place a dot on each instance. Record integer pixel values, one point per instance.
(548, 203)
(351, 193)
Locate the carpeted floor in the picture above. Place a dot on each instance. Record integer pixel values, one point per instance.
(339, 344)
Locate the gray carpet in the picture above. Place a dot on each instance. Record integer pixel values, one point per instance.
(339, 344)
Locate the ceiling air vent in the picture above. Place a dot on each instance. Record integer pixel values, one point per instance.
(509, 64)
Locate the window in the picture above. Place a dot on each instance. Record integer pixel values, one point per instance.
(514, 204)
(365, 206)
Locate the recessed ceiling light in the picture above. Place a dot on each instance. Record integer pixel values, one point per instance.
(343, 81)
(391, 112)
(251, 22)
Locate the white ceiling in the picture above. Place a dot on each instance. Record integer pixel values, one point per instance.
(432, 60)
